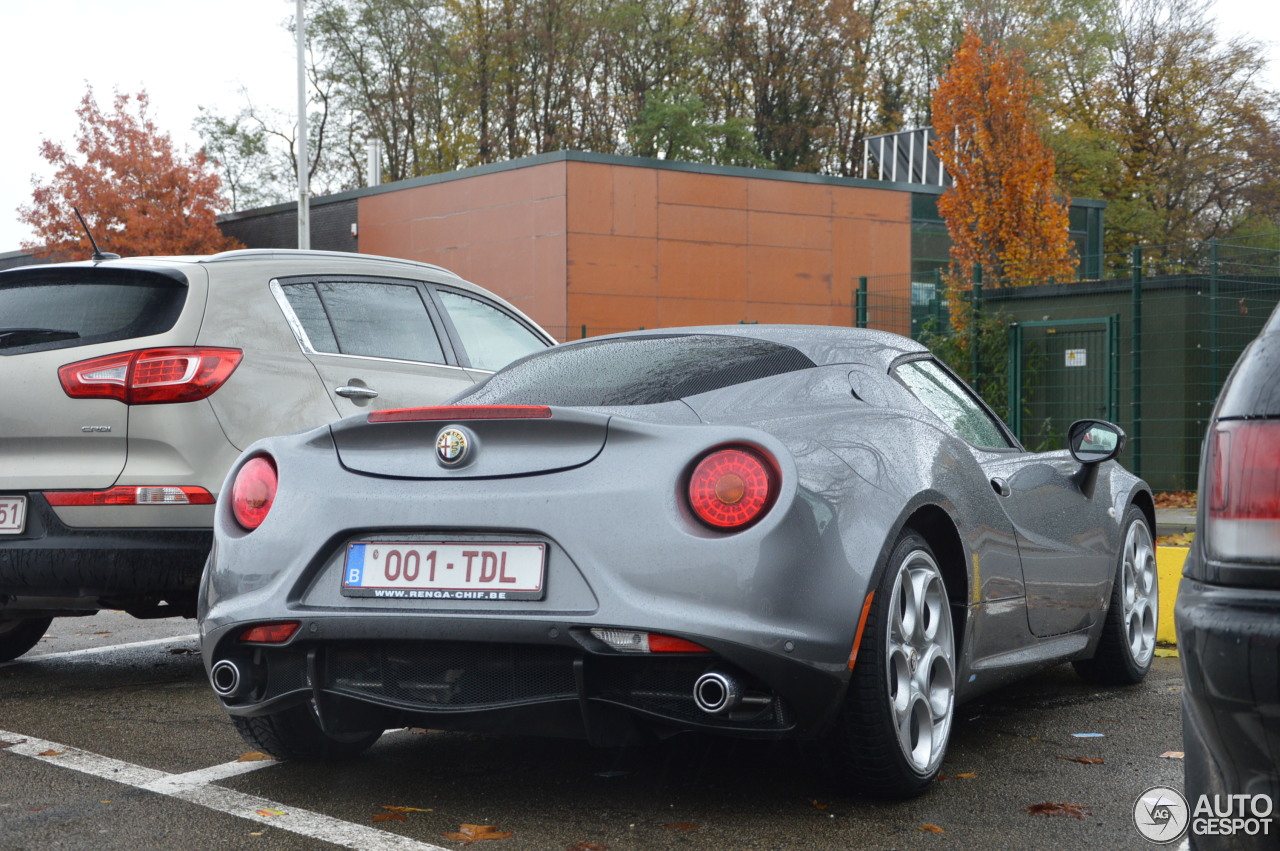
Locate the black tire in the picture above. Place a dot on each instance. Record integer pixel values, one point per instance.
(1127, 647)
(295, 734)
(891, 735)
(19, 635)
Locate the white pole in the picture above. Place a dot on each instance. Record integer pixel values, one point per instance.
(304, 200)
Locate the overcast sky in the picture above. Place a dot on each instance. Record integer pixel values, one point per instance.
(187, 55)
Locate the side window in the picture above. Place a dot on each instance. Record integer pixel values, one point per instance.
(306, 305)
(371, 319)
(492, 338)
(947, 398)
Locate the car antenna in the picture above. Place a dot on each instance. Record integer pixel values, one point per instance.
(98, 255)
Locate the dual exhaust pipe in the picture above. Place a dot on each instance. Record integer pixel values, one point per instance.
(718, 693)
(715, 692)
(228, 680)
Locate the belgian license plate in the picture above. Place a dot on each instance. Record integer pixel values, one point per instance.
(13, 515)
(445, 570)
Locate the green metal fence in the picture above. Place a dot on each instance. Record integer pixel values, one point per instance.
(1149, 349)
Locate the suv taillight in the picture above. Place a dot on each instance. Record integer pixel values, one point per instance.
(1242, 483)
(151, 376)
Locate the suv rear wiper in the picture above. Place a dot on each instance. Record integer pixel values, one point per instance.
(14, 337)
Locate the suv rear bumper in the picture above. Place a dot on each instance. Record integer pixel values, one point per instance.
(1229, 644)
(54, 568)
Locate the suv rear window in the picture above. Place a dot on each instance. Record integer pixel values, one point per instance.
(43, 309)
(647, 370)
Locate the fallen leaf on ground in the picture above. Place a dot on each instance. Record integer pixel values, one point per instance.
(817, 805)
(587, 846)
(103, 632)
(1176, 499)
(476, 832)
(390, 817)
(50, 753)
(1049, 809)
(1172, 755)
(681, 825)
(182, 651)
(930, 828)
(1084, 760)
(404, 809)
(265, 813)
(11, 744)
(966, 775)
(254, 756)
(1179, 539)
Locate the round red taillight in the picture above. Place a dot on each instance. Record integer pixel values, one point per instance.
(253, 491)
(732, 487)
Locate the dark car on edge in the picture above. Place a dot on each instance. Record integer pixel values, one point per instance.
(1228, 609)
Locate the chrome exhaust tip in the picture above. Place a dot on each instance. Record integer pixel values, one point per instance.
(225, 678)
(716, 693)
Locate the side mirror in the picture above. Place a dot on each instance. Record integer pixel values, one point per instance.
(1095, 441)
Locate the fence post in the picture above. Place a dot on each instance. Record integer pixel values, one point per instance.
(1015, 380)
(937, 299)
(584, 330)
(1213, 317)
(976, 306)
(862, 302)
(1136, 361)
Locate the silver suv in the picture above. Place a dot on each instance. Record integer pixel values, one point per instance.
(131, 385)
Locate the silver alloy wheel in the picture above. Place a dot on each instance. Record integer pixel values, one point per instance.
(1140, 593)
(920, 648)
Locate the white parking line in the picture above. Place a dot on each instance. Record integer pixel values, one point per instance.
(196, 787)
(105, 648)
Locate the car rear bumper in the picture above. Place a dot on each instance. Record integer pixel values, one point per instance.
(1229, 644)
(517, 676)
(52, 567)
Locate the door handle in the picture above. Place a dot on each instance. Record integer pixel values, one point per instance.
(1001, 486)
(351, 391)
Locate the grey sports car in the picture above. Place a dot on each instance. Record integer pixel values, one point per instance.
(765, 531)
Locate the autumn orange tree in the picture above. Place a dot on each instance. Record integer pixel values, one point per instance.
(138, 194)
(1004, 210)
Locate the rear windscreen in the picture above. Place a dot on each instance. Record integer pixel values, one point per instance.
(59, 308)
(645, 370)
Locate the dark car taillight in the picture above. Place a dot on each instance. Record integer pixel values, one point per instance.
(254, 491)
(1242, 483)
(732, 487)
(151, 376)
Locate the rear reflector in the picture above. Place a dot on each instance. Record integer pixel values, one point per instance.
(1242, 474)
(270, 633)
(635, 641)
(151, 376)
(133, 495)
(458, 413)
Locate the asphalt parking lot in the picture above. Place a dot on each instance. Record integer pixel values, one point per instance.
(110, 738)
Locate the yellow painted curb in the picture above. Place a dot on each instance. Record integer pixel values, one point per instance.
(1169, 570)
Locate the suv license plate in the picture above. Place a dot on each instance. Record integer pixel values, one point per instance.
(13, 515)
(444, 570)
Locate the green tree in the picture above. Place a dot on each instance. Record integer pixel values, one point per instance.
(1175, 129)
